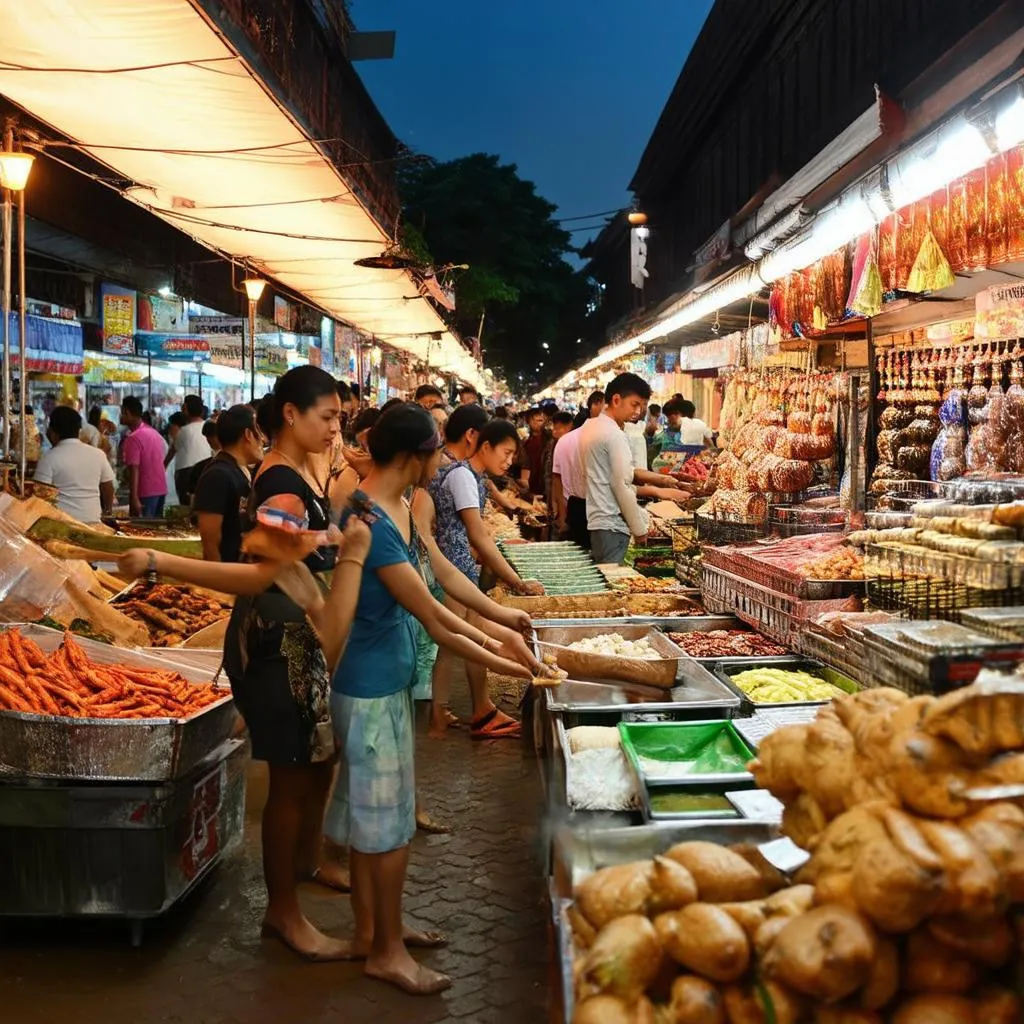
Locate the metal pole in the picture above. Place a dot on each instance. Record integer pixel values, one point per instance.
(5, 305)
(23, 346)
(149, 380)
(252, 351)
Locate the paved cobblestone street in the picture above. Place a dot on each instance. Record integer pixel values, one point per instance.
(205, 962)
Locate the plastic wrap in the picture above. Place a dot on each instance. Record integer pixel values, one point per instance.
(949, 457)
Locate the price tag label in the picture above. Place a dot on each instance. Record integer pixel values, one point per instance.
(756, 805)
(785, 855)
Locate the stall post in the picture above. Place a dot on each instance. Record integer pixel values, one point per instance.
(149, 380)
(5, 302)
(253, 290)
(22, 348)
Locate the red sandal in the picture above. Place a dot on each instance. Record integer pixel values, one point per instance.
(495, 725)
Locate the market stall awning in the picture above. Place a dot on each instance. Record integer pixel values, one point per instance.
(155, 93)
(54, 346)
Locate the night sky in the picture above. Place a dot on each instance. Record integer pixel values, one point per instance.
(569, 90)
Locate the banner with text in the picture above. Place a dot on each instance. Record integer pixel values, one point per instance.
(117, 319)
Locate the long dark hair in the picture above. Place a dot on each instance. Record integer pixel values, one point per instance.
(303, 387)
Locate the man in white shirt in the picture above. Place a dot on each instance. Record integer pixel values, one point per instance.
(612, 510)
(81, 473)
(691, 429)
(190, 447)
(569, 489)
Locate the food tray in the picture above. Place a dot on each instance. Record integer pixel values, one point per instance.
(691, 741)
(846, 656)
(746, 564)
(726, 668)
(682, 624)
(999, 623)
(775, 614)
(659, 673)
(578, 854)
(558, 794)
(150, 750)
(591, 702)
(636, 604)
(763, 723)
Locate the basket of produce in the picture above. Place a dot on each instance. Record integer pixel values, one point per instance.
(77, 709)
(171, 611)
(785, 682)
(634, 654)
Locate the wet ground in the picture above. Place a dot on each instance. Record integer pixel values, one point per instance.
(205, 964)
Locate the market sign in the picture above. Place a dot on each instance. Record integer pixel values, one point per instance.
(178, 347)
(327, 327)
(163, 315)
(117, 319)
(271, 360)
(225, 337)
(999, 313)
(710, 355)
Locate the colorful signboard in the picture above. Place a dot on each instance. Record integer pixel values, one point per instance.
(271, 360)
(181, 347)
(117, 319)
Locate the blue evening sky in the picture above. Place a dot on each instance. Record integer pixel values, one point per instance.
(569, 90)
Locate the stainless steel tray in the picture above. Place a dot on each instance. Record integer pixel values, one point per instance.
(796, 662)
(580, 852)
(676, 624)
(142, 750)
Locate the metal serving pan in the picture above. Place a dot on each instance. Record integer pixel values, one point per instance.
(830, 675)
(112, 750)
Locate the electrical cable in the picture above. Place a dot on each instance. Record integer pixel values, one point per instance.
(11, 66)
(588, 216)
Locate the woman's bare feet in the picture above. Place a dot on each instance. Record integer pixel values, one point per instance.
(425, 823)
(441, 720)
(301, 937)
(412, 937)
(401, 970)
(332, 876)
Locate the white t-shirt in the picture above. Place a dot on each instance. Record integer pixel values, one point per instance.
(190, 446)
(90, 435)
(566, 463)
(694, 432)
(76, 470)
(464, 489)
(637, 444)
(608, 465)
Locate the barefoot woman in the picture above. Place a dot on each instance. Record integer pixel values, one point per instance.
(373, 808)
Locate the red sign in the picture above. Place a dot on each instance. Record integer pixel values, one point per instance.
(202, 838)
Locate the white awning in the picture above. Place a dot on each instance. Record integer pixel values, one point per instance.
(214, 153)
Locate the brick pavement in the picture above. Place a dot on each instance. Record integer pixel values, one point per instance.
(205, 964)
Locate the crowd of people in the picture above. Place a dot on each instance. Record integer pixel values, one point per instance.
(328, 645)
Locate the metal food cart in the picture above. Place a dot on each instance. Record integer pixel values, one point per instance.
(115, 818)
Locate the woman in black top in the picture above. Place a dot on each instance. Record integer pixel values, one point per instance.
(279, 675)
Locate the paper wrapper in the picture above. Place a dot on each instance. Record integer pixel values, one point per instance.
(660, 673)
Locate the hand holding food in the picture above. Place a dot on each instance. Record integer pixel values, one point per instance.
(531, 588)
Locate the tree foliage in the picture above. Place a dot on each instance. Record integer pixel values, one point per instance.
(479, 211)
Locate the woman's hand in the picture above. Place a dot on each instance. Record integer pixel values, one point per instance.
(355, 540)
(514, 618)
(360, 461)
(531, 588)
(514, 648)
(134, 563)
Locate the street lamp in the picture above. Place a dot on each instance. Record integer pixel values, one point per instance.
(15, 168)
(253, 291)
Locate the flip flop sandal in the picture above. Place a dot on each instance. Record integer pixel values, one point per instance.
(493, 727)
